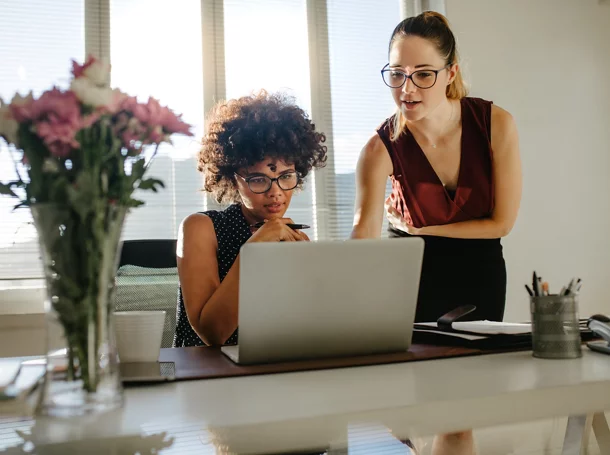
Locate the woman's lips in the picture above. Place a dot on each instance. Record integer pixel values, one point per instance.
(275, 207)
(411, 104)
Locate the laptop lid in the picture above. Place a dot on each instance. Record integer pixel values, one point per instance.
(302, 300)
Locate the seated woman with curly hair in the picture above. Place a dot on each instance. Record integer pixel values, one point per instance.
(258, 149)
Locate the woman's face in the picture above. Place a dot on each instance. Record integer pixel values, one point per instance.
(413, 53)
(252, 181)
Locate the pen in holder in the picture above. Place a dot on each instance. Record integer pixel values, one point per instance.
(555, 326)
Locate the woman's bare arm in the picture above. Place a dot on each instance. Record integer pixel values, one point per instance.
(211, 306)
(374, 167)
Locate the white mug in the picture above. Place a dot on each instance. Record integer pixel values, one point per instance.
(139, 335)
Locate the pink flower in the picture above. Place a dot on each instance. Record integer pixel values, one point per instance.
(79, 70)
(156, 135)
(131, 133)
(154, 115)
(155, 111)
(58, 136)
(140, 111)
(97, 71)
(165, 117)
(118, 98)
(57, 119)
(128, 103)
(174, 124)
(64, 105)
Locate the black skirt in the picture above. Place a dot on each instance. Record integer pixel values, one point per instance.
(458, 272)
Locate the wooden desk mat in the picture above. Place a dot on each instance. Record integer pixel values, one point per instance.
(210, 363)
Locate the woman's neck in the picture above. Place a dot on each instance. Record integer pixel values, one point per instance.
(248, 215)
(438, 123)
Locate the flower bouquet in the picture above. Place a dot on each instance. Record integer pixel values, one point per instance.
(79, 156)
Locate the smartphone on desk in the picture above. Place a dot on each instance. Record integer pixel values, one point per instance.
(600, 325)
(143, 372)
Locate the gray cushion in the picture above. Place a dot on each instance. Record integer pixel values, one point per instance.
(148, 289)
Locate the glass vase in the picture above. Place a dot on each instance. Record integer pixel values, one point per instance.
(80, 250)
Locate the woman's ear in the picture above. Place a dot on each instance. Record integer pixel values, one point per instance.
(453, 71)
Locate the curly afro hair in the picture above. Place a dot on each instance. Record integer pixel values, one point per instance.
(245, 131)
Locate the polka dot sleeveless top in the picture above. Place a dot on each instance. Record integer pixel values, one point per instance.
(232, 231)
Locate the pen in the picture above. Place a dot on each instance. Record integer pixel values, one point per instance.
(529, 291)
(578, 286)
(290, 225)
(569, 288)
(545, 288)
(535, 284)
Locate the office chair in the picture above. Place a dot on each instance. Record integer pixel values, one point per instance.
(147, 279)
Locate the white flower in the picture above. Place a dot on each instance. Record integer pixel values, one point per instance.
(98, 72)
(91, 94)
(8, 125)
(19, 100)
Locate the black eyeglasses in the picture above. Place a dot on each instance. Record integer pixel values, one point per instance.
(394, 78)
(261, 183)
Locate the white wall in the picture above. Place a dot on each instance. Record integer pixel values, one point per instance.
(548, 63)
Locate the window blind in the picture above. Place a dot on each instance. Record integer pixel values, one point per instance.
(358, 36)
(325, 53)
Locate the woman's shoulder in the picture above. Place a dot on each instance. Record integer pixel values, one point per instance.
(385, 127)
(503, 124)
(211, 218)
(196, 231)
(374, 148)
(476, 100)
(482, 102)
(197, 223)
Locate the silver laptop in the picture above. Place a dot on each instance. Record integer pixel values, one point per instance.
(304, 300)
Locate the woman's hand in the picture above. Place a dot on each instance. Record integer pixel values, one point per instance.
(276, 230)
(396, 219)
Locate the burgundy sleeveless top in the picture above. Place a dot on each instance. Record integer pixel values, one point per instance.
(420, 196)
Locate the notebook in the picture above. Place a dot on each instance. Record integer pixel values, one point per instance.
(449, 331)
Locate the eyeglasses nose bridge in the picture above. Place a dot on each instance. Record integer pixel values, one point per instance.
(408, 77)
(277, 182)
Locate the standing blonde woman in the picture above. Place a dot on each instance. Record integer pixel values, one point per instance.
(455, 169)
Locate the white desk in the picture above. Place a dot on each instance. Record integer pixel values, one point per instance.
(286, 412)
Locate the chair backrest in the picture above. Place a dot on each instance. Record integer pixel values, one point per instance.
(154, 254)
(147, 279)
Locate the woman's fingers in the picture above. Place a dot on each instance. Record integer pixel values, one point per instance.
(290, 234)
(303, 236)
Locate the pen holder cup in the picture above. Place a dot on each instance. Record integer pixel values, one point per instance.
(555, 327)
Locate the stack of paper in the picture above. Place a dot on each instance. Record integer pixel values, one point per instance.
(14, 396)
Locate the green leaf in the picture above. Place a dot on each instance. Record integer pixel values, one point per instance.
(137, 169)
(5, 188)
(134, 203)
(21, 204)
(151, 184)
